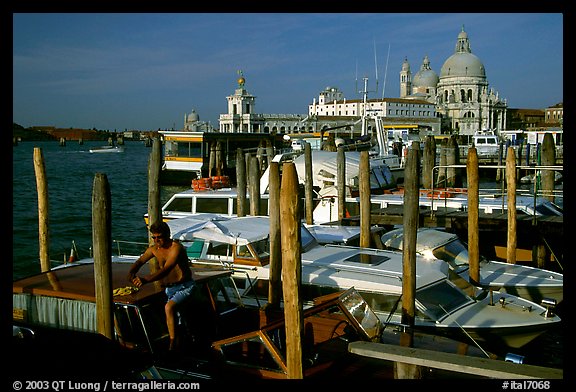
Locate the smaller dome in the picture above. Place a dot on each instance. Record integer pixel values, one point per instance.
(426, 77)
(193, 116)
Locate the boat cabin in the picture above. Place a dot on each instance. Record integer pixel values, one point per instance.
(64, 298)
(487, 145)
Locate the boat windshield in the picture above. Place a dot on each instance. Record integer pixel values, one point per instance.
(179, 204)
(262, 248)
(441, 299)
(454, 252)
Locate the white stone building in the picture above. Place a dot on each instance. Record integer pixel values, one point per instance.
(463, 100)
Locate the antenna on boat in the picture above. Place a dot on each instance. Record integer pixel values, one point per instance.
(386, 72)
(375, 65)
(356, 80)
(467, 334)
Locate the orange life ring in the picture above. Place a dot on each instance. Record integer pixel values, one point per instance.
(439, 194)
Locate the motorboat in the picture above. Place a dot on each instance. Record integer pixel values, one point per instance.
(106, 149)
(527, 282)
(224, 200)
(447, 304)
(448, 199)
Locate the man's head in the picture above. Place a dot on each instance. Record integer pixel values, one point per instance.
(160, 230)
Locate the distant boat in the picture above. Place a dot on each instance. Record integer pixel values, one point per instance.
(107, 149)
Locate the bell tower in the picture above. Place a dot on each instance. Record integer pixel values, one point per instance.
(405, 79)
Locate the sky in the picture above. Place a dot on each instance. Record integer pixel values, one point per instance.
(145, 71)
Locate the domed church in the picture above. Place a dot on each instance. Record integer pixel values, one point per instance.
(460, 93)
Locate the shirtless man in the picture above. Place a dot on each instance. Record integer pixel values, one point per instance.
(174, 273)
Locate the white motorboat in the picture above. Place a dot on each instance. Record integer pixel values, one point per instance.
(446, 303)
(527, 282)
(107, 149)
(224, 201)
(449, 199)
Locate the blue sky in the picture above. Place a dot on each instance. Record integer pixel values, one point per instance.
(145, 71)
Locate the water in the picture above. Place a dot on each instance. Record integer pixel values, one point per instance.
(70, 173)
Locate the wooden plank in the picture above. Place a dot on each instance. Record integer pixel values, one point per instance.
(485, 367)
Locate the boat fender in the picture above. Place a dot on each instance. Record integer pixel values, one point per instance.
(73, 257)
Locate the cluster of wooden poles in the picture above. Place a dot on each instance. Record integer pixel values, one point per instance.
(285, 221)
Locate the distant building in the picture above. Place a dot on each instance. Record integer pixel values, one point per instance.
(554, 115)
(463, 100)
(192, 123)
(524, 118)
(242, 116)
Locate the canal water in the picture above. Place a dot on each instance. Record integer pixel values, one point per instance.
(70, 173)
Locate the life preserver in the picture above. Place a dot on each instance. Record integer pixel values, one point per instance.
(439, 194)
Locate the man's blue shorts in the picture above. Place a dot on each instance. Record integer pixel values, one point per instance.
(178, 293)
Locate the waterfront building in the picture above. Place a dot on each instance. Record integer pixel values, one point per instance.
(461, 92)
(242, 116)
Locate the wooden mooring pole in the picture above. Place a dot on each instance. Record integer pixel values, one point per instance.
(275, 280)
(42, 188)
(473, 215)
(548, 158)
(254, 186)
(511, 206)
(291, 269)
(428, 162)
(411, 216)
(364, 185)
(102, 245)
(241, 183)
(341, 182)
(154, 201)
(308, 183)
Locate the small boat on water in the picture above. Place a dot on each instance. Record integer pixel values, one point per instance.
(107, 149)
(531, 283)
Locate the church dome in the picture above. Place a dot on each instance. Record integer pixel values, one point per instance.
(463, 62)
(425, 77)
(193, 116)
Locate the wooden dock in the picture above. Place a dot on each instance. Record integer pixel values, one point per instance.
(483, 367)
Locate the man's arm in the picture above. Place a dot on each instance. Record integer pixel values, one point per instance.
(143, 259)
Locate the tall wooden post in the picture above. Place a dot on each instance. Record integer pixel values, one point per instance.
(154, 204)
(411, 215)
(511, 186)
(364, 174)
(473, 206)
(341, 182)
(42, 188)
(500, 155)
(269, 152)
(291, 269)
(102, 245)
(254, 186)
(452, 158)
(241, 183)
(442, 170)
(212, 159)
(548, 159)
(428, 162)
(218, 159)
(308, 183)
(275, 279)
